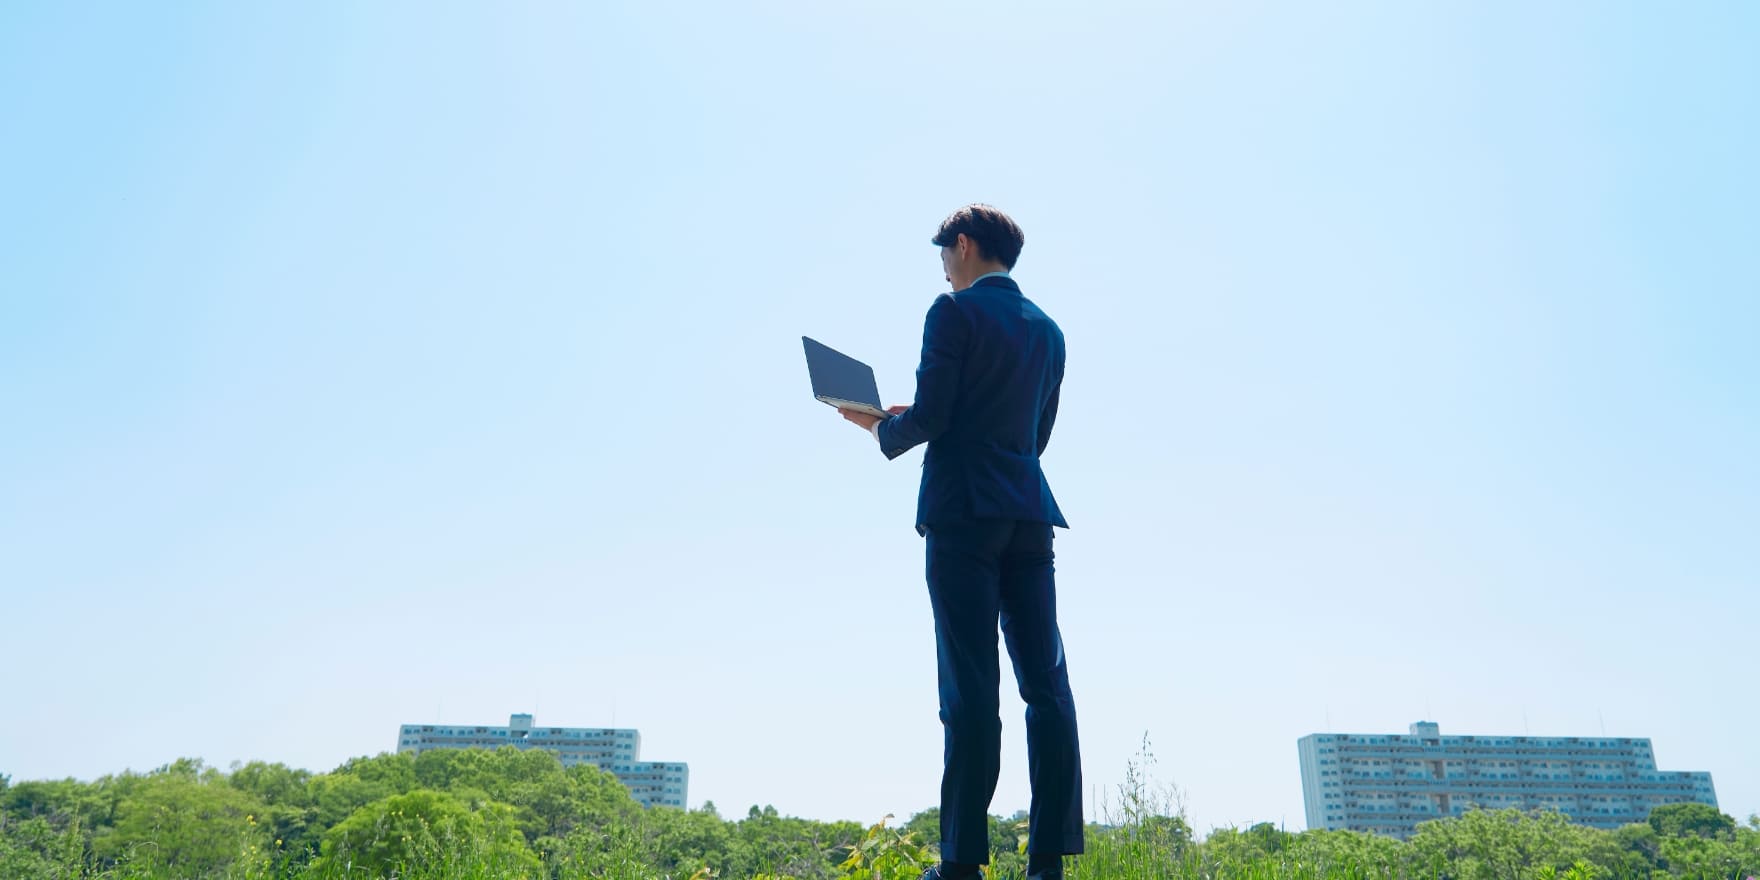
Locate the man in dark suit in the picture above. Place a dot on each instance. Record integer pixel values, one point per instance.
(987, 389)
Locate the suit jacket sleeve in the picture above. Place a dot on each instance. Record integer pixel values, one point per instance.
(1048, 416)
(945, 334)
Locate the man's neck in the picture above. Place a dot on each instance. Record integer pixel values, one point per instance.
(993, 269)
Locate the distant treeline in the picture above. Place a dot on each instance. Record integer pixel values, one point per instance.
(489, 815)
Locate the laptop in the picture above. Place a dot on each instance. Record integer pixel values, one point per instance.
(841, 380)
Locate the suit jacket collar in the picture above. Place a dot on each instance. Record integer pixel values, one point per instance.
(1002, 281)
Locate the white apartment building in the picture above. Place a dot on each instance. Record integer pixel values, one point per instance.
(616, 751)
(1388, 783)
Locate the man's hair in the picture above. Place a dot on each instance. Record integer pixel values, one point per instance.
(996, 236)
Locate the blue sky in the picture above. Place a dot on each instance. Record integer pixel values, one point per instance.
(366, 364)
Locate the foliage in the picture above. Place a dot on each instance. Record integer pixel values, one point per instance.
(33, 849)
(178, 822)
(1488, 845)
(1143, 832)
(886, 854)
(507, 814)
(425, 827)
(1691, 820)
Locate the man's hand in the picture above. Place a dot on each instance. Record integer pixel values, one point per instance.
(861, 418)
(866, 421)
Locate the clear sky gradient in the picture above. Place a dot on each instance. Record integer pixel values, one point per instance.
(373, 363)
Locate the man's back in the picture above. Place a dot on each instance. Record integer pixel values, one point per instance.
(987, 395)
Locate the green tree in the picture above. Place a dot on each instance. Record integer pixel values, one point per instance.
(683, 842)
(272, 783)
(926, 826)
(1696, 820)
(1230, 850)
(621, 850)
(33, 849)
(360, 781)
(1695, 856)
(1268, 838)
(428, 828)
(1745, 846)
(765, 842)
(193, 769)
(1641, 847)
(1369, 855)
(496, 772)
(1734, 854)
(550, 802)
(180, 821)
(290, 814)
(64, 802)
(1495, 844)
(559, 801)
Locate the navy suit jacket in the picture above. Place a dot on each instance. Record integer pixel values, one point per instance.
(987, 390)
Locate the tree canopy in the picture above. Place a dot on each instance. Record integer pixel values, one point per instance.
(513, 813)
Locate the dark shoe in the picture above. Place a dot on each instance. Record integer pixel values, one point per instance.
(935, 874)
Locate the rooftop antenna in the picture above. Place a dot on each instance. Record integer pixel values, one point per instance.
(1525, 731)
(1602, 719)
